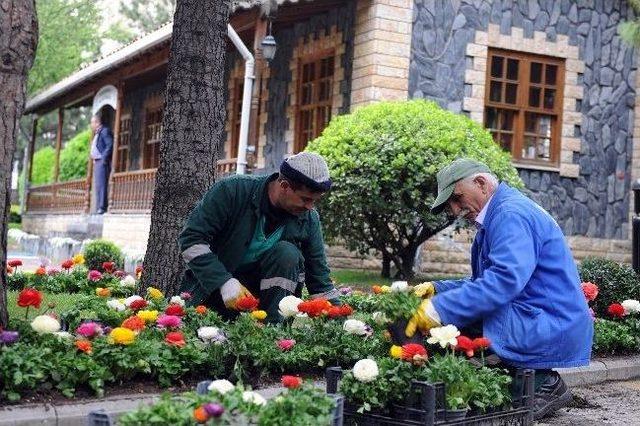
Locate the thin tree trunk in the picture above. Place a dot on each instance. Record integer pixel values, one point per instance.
(386, 266)
(18, 41)
(193, 127)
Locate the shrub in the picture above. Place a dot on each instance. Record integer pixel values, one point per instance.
(616, 282)
(74, 157)
(383, 160)
(99, 251)
(44, 161)
(613, 338)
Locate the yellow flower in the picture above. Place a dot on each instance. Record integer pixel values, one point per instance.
(259, 315)
(103, 292)
(122, 336)
(154, 293)
(395, 352)
(78, 259)
(148, 316)
(385, 289)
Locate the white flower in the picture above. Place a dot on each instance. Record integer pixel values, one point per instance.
(63, 335)
(129, 300)
(380, 318)
(253, 397)
(176, 300)
(128, 281)
(211, 334)
(399, 286)
(631, 306)
(45, 324)
(116, 304)
(221, 386)
(444, 335)
(288, 306)
(365, 370)
(356, 327)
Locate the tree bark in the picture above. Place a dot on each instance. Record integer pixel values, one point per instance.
(193, 127)
(386, 266)
(18, 41)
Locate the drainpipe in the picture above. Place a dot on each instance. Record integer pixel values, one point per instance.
(249, 63)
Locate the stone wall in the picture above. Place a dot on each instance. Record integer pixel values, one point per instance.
(128, 231)
(595, 203)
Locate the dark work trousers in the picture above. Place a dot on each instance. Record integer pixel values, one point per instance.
(101, 171)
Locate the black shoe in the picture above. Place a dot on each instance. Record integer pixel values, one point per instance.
(552, 395)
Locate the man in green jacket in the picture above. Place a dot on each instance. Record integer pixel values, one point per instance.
(259, 235)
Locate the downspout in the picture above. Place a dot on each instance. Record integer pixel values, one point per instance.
(241, 163)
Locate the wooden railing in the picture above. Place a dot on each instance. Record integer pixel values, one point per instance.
(62, 197)
(226, 167)
(132, 192)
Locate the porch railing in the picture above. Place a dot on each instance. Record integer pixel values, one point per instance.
(132, 191)
(226, 167)
(61, 197)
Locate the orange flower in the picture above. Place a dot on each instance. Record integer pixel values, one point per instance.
(376, 289)
(9, 270)
(103, 292)
(415, 353)
(175, 338)
(339, 311)
(481, 343)
(84, 346)
(41, 271)
(134, 323)
(291, 382)
(247, 303)
(201, 309)
(29, 297)
(67, 264)
(315, 307)
(200, 414)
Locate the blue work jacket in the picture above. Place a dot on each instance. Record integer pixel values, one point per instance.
(524, 288)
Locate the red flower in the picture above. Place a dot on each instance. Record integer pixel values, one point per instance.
(286, 344)
(415, 353)
(590, 291)
(174, 309)
(201, 309)
(9, 270)
(14, 262)
(84, 346)
(133, 323)
(138, 269)
(616, 310)
(247, 303)
(108, 266)
(346, 310)
(481, 343)
(339, 311)
(175, 338)
(138, 304)
(30, 297)
(41, 271)
(315, 307)
(291, 382)
(119, 273)
(67, 264)
(465, 345)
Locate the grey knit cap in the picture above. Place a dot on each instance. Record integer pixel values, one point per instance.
(309, 169)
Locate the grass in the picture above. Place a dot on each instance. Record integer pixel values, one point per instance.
(367, 278)
(63, 301)
(13, 225)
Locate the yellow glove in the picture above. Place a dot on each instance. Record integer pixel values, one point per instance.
(425, 290)
(420, 320)
(232, 291)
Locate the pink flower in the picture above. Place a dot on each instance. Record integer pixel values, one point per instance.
(185, 295)
(169, 321)
(286, 344)
(94, 275)
(593, 314)
(89, 329)
(590, 291)
(119, 273)
(53, 271)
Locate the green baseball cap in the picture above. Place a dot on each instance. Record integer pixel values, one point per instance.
(450, 175)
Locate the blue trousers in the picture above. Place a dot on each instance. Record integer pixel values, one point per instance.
(101, 171)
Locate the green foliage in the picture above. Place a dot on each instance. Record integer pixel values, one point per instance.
(145, 18)
(99, 251)
(398, 305)
(14, 214)
(306, 405)
(616, 282)
(383, 160)
(615, 337)
(74, 157)
(44, 161)
(630, 30)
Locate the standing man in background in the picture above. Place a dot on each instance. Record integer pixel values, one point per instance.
(101, 150)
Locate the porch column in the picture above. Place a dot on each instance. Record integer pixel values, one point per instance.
(29, 164)
(256, 97)
(56, 170)
(116, 141)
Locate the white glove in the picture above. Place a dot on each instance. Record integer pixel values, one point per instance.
(231, 291)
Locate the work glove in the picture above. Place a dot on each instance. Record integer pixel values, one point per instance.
(425, 290)
(420, 320)
(232, 291)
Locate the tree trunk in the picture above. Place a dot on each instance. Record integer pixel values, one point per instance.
(193, 127)
(407, 260)
(18, 41)
(386, 266)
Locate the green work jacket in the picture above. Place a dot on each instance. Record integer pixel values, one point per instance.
(221, 226)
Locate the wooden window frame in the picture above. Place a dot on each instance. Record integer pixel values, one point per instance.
(299, 142)
(151, 106)
(123, 150)
(521, 107)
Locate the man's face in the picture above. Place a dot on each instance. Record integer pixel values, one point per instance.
(468, 198)
(297, 201)
(95, 123)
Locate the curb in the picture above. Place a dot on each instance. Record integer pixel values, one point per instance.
(75, 413)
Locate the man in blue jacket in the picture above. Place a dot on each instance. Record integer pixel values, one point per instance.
(101, 151)
(524, 288)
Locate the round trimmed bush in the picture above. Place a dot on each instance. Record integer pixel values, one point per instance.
(98, 251)
(616, 282)
(383, 160)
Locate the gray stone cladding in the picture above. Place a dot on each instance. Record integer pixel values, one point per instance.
(596, 204)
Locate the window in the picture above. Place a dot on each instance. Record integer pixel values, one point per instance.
(315, 98)
(152, 136)
(124, 137)
(236, 115)
(523, 105)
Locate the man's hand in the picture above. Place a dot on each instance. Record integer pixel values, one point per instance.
(231, 291)
(425, 290)
(420, 320)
